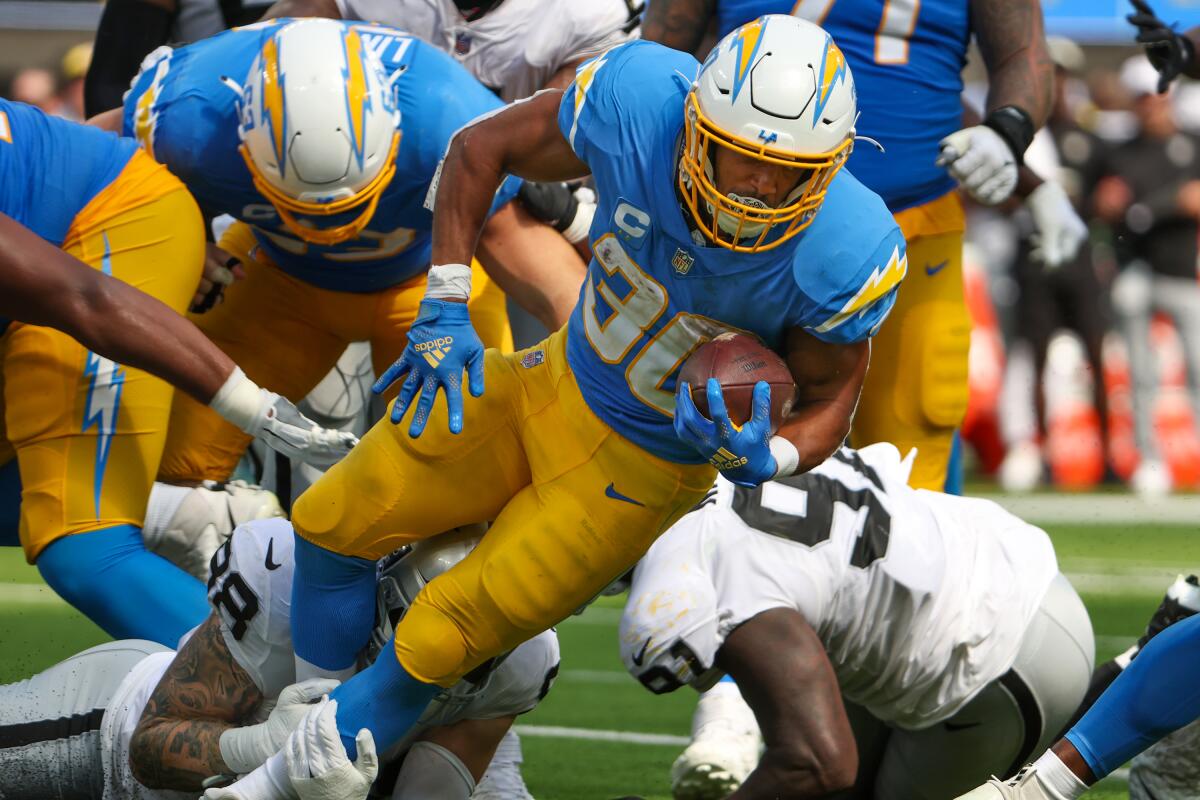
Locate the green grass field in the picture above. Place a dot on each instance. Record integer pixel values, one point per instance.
(1120, 570)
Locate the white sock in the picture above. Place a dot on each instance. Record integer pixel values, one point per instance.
(1059, 781)
(165, 499)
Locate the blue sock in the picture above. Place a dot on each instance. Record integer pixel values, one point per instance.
(10, 504)
(954, 467)
(1155, 695)
(128, 591)
(384, 699)
(333, 605)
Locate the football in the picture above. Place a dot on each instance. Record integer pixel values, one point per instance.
(739, 361)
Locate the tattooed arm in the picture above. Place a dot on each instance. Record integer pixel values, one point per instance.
(680, 24)
(1012, 41)
(204, 692)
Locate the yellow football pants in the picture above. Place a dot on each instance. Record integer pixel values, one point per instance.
(286, 334)
(88, 433)
(575, 505)
(915, 393)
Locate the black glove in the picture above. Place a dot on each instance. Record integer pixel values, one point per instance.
(552, 203)
(1170, 52)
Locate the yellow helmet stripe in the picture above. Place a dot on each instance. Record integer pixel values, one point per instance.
(272, 100)
(749, 37)
(358, 99)
(833, 69)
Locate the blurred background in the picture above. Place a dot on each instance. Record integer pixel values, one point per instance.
(1084, 377)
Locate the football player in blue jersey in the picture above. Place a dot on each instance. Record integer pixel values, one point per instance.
(85, 217)
(907, 58)
(723, 206)
(321, 138)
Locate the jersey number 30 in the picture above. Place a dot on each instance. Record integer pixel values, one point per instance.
(613, 335)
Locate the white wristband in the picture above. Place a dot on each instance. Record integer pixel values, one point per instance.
(245, 749)
(787, 457)
(448, 282)
(577, 231)
(239, 400)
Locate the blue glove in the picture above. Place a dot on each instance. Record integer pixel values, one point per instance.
(441, 344)
(743, 455)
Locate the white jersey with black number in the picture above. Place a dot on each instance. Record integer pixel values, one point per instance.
(515, 49)
(920, 598)
(250, 591)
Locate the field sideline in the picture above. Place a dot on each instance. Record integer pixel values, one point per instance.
(599, 735)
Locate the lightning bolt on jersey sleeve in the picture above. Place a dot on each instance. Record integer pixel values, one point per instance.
(183, 109)
(51, 168)
(250, 589)
(655, 290)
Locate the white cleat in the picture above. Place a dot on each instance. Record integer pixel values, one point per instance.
(1151, 480)
(1021, 470)
(1025, 786)
(198, 519)
(726, 745)
(503, 780)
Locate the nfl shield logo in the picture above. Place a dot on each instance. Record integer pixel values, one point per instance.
(532, 358)
(682, 261)
(462, 43)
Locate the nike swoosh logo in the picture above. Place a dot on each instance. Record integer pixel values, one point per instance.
(612, 492)
(936, 268)
(961, 726)
(640, 655)
(270, 552)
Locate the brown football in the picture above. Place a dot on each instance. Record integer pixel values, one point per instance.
(739, 361)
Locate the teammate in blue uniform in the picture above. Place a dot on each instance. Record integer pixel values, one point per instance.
(321, 138)
(907, 57)
(723, 206)
(84, 219)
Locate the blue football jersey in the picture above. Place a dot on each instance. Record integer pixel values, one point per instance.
(907, 58)
(654, 292)
(51, 168)
(183, 108)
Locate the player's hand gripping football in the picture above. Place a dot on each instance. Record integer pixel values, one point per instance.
(1170, 52)
(441, 344)
(743, 455)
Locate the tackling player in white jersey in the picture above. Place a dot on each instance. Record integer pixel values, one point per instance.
(132, 720)
(940, 622)
(514, 47)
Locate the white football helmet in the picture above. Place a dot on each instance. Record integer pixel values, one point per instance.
(320, 128)
(776, 90)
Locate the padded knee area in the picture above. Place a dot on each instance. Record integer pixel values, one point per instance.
(431, 647)
(944, 332)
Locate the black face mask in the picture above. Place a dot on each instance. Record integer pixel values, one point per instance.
(474, 9)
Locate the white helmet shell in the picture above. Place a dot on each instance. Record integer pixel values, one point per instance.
(319, 123)
(780, 81)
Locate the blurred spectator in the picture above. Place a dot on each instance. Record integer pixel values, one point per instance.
(73, 69)
(1150, 194)
(1072, 296)
(37, 87)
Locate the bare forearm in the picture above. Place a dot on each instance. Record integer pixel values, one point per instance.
(677, 23)
(523, 140)
(303, 8)
(178, 754)
(42, 285)
(828, 379)
(777, 776)
(1012, 41)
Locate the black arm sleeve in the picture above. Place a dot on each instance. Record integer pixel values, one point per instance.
(128, 31)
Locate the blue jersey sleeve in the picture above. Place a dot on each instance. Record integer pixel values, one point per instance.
(850, 264)
(604, 110)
